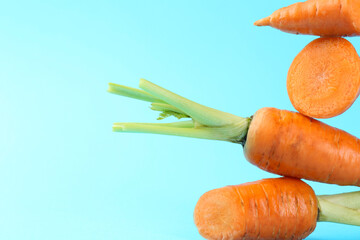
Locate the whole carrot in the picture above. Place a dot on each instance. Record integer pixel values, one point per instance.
(324, 78)
(317, 17)
(278, 208)
(278, 141)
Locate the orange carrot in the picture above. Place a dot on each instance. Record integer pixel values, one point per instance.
(324, 79)
(279, 208)
(278, 141)
(317, 17)
(291, 144)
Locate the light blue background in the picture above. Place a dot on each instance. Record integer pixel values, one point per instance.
(65, 175)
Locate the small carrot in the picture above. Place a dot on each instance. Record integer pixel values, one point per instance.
(317, 17)
(324, 78)
(278, 141)
(277, 208)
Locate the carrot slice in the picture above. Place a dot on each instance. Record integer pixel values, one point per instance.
(324, 78)
(317, 17)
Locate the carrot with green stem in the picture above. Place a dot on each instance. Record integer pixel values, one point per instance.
(317, 17)
(277, 208)
(324, 79)
(278, 141)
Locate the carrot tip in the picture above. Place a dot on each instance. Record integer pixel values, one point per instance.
(263, 22)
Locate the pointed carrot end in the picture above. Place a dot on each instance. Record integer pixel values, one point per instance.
(263, 22)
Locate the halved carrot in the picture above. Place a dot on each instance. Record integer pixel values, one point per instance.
(278, 141)
(324, 78)
(278, 208)
(317, 17)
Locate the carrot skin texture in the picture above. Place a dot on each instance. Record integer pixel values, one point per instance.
(324, 79)
(317, 17)
(291, 144)
(279, 208)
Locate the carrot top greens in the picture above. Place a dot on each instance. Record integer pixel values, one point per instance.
(340, 208)
(205, 123)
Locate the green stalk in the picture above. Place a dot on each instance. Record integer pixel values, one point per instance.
(165, 107)
(225, 133)
(206, 123)
(181, 124)
(350, 200)
(132, 93)
(340, 208)
(204, 115)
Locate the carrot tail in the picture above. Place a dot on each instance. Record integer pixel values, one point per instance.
(340, 208)
(263, 22)
(206, 123)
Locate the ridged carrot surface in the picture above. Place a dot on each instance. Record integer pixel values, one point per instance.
(291, 144)
(317, 17)
(281, 208)
(324, 79)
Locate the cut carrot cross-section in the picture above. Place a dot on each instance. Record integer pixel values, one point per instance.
(324, 79)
